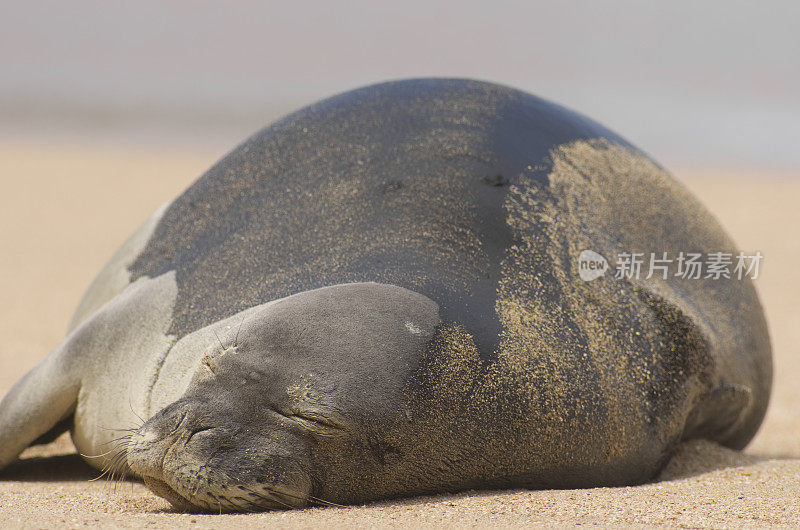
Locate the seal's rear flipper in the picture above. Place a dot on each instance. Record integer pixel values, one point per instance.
(719, 406)
(721, 412)
(37, 404)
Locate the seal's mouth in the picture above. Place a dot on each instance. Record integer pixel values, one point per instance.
(163, 490)
(247, 499)
(202, 468)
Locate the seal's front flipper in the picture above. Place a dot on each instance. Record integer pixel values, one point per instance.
(39, 401)
(58, 429)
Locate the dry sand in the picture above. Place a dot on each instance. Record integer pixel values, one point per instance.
(65, 209)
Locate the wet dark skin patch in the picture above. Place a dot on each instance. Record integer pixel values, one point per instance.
(401, 183)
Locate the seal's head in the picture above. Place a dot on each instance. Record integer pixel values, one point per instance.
(265, 412)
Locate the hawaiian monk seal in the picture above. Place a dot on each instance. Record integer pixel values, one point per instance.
(378, 296)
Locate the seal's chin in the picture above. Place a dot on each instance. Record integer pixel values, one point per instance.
(242, 499)
(162, 489)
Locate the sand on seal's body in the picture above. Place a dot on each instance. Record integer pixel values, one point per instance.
(704, 485)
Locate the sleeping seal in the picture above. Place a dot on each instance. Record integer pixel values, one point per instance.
(379, 296)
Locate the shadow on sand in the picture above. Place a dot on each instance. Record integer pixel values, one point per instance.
(55, 468)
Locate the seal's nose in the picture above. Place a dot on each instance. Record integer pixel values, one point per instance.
(149, 444)
(146, 452)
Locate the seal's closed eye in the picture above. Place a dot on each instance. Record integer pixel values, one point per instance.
(319, 424)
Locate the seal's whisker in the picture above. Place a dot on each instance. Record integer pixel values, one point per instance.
(272, 498)
(131, 429)
(298, 497)
(130, 406)
(101, 455)
(119, 466)
(116, 466)
(117, 441)
(220, 342)
(326, 503)
(107, 469)
(122, 439)
(98, 477)
(236, 339)
(244, 505)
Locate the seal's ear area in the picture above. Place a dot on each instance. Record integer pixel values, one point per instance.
(717, 412)
(36, 405)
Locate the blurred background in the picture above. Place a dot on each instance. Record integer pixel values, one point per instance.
(700, 84)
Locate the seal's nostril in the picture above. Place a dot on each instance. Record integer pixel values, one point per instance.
(142, 437)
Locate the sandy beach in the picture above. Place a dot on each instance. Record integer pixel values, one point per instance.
(66, 207)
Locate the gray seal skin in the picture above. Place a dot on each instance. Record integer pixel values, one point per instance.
(378, 296)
